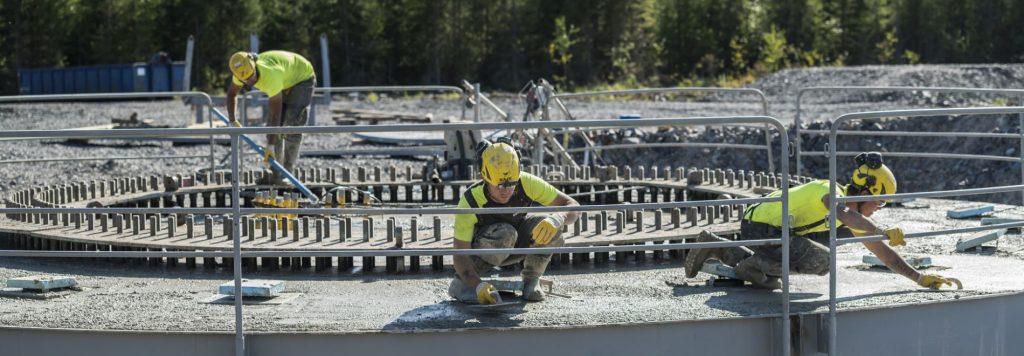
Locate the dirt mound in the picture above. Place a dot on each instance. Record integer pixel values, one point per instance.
(784, 85)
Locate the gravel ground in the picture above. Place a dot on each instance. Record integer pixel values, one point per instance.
(143, 299)
(128, 297)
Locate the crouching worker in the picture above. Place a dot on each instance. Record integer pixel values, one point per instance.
(504, 186)
(809, 235)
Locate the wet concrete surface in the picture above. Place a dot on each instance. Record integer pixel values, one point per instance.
(136, 297)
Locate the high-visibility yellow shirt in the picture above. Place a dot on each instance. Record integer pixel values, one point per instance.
(279, 70)
(808, 212)
(530, 191)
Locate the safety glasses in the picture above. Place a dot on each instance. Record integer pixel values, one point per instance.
(508, 184)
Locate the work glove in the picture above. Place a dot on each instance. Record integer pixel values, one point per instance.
(487, 294)
(268, 153)
(235, 123)
(546, 230)
(933, 281)
(895, 236)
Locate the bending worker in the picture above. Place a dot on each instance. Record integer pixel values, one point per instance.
(809, 251)
(288, 80)
(504, 186)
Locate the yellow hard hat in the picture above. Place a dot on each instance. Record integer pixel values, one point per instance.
(872, 175)
(242, 65)
(499, 164)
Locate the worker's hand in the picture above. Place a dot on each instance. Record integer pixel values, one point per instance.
(895, 236)
(268, 153)
(933, 281)
(487, 294)
(236, 123)
(545, 230)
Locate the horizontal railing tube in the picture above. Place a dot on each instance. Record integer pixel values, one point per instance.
(832, 174)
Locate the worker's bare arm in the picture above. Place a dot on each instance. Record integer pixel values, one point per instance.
(568, 218)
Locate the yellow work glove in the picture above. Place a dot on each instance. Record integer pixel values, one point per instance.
(268, 153)
(235, 123)
(933, 281)
(895, 236)
(546, 230)
(487, 294)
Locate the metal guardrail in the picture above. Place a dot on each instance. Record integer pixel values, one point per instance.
(764, 110)
(236, 210)
(798, 133)
(833, 242)
(255, 97)
(207, 100)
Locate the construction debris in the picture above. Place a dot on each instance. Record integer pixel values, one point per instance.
(976, 240)
(996, 221)
(254, 288)
(970, 212)
(373, 117)
(38, 287)
(133, 122)
(41, 284)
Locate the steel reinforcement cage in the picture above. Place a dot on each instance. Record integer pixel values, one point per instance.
(236, 210)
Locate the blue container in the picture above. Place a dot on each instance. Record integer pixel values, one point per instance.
(159, 77)
(115, 78)
(178, 77)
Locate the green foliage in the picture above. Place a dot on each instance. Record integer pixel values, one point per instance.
(887, 48)
(560, 48)
(773, 52)
(911, 57)
(502, 44)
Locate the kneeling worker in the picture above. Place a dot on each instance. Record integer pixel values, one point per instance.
(809, 242)
(504, 186)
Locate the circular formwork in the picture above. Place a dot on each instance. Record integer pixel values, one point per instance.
(614, 302)
(368, 187)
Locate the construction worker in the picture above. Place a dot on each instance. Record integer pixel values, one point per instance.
(288, 80)
(504, 186)
(809, 251)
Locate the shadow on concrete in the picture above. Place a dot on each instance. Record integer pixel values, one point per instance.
(455, 315)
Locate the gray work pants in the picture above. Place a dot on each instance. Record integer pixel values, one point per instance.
(807, 254)
(505, 235)
(294, 112)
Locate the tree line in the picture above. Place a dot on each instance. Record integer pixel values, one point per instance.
(505, 43)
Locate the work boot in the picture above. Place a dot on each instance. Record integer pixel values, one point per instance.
(461, 291)
(532, 291)
(749, 271)
(695, 258)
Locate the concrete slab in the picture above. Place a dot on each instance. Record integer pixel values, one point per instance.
(964, 213)
(916, 262)
(281, 298)
(41, 283)
(253, 288)
(31, 294)
(356, 303)
(978, 239)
